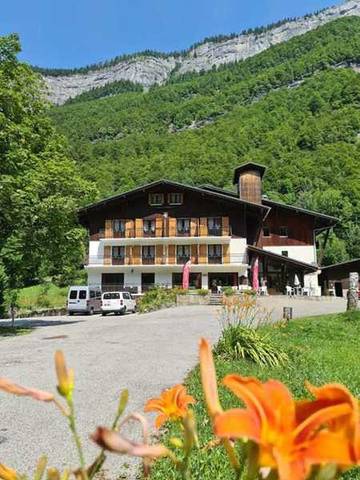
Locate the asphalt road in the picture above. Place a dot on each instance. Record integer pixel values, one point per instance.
(144, 353)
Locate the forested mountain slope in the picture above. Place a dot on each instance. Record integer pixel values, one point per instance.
(294, 108)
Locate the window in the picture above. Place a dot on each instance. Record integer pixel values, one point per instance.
(183, 225)
(101, 232)
(119, 226)
(111, 296)
(73, 295)
(92, 294)
(214, 253)
(283, 231)
(82, 294)
(214, 226)
(126, 296)
(285, 253)
(118, 252)
(266, 231)
(148, 251)
(156, 199)
(183, 253)
(149, 226)
(175, 198)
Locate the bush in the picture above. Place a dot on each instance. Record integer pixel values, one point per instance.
(239, 342)
(228, 291)
(202, 291)
(157, 298)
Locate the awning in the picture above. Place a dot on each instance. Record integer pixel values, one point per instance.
(291, 262)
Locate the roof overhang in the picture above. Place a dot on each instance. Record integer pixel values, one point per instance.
(263, 209)
(304, 267)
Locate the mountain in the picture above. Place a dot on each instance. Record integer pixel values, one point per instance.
(150, 68)
(294, 107)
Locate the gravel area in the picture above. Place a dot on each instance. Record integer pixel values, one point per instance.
(144, 353)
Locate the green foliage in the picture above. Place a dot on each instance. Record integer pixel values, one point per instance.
(157, 298)
(113, 88)
(201, 291)
(40, 186)
(228, 291)
(3, 287)
(45, 295)
(287, 108)
(238, 342)
(310, 344)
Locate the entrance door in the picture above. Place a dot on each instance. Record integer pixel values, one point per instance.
(338, 289)
(194, 280)
(223, 280)
(147, 281)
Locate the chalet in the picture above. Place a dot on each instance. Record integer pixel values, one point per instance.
(143, 237)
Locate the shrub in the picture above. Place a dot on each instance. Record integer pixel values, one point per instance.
(228, 291)
(239, 342)
(157, 298)
(202, 291)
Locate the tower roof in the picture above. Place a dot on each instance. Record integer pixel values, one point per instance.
(248, 166)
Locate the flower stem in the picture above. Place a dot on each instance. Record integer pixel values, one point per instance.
(72, 425)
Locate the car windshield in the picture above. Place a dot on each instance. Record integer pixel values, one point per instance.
(111, 296)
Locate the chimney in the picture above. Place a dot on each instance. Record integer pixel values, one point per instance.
(248, 178)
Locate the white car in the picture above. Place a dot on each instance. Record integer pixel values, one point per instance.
(117, 302)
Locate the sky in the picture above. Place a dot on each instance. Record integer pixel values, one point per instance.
(74, 33)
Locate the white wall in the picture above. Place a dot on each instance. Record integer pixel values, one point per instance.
(163, 278)
(94, 278)
(96, 253)
(302, 253)
(238, 250)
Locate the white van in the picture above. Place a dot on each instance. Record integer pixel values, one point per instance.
(117, 302)
(84, 299)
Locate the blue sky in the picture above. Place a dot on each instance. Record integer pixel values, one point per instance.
(69, 33)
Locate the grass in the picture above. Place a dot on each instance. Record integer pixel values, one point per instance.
(42, 296)
(13, 332)
(321, 349)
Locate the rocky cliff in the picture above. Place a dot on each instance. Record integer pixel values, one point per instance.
(149, 70)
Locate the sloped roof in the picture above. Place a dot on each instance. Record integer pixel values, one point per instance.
(212, 193)
(282, 259)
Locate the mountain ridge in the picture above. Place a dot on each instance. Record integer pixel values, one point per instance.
(149, 70)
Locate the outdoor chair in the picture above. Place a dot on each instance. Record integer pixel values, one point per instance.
(290, 291)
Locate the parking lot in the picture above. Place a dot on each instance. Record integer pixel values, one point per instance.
(144, 353)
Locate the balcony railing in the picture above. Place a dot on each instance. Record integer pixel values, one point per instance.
(167, 228)
(215, 260)
(148, 260)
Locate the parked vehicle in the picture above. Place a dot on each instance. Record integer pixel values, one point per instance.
(117, 302)
(84, 299)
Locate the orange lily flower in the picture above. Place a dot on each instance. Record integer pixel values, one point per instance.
(7, 473)
(288, 440)
(172, 404)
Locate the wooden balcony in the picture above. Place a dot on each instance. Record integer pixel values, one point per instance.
(166, 227)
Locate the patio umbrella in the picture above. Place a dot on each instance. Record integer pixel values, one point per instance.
(186, 275)
(255, 275)
(296, 280)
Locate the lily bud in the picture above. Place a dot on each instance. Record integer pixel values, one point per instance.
(65, 375)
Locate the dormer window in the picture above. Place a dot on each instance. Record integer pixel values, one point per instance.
(175, 198)
(283, 231)
(156, 199)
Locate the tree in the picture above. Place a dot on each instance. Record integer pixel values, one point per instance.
(40, 186)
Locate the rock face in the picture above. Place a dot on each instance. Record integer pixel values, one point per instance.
(149, 70)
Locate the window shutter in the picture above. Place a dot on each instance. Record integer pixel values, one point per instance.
(128, 255)
(129, 228)
(171, 254)
(194, 251)
(159, 254)
(226, 253)
(203, 227)
(136, 255)
(203, 253)
(159, 226)
(193, 227)
(108, 229)
(172, 227)
(107, 255)
(139, 227)
(225, 226)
